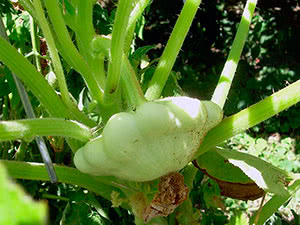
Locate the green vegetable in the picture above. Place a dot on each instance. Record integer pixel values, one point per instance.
(158, 138)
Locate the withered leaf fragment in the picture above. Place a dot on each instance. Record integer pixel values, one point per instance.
(171, 193)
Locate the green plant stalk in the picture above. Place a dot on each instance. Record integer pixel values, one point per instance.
(53, 53)
(220, 94)
(99, 68)
(134, 15)
(28, 107)
(130, 84)
(103, 186)
(35, 45)
(20, 154)
(128, 40)
(55, 197)
(274, 203)
(57, 66)
(71, 51)
(84, 34)
(137, 12)
(251, 116)
(19, 65)
(85, 30)
(116, 50)
(69, 18)
(29, 128)
(172, 49)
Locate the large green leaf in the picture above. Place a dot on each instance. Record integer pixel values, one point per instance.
(218, 167)
(16, 207)
(264, 174)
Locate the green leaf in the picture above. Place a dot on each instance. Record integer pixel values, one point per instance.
(211, 194)
(140, 27)
(16, 207)
(216, 166)
(137, 56)
(78, 213)
(265, 175)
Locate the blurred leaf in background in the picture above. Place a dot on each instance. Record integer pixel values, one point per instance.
(16, 207)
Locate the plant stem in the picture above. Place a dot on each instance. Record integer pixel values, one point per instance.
(251, 116)
(36, 171)
(57, 65)
(29, 109)
(84, 21)
(220, 94)
(130, 84)
(19, 65)
(71, 51)
(53, 52)
(117, 47)
(134, 15)
(84, 35)
(20, 154)
(137, 12)
(172, 49)
(274, 203)
(55, 197)
(258, 212)
(28, 128)
(35, 45)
